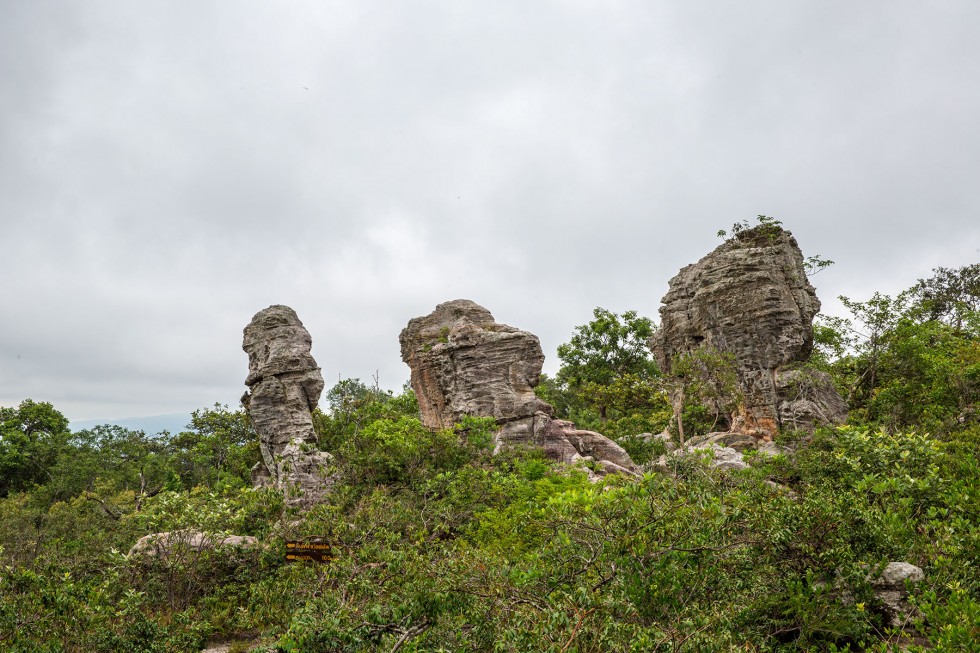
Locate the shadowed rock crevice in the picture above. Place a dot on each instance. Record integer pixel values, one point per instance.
(464, 363)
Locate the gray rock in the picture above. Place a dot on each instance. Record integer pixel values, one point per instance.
(808, 399)
(726, 449)
(890, 588)
(750, 297)
(164, 545)
(465, 363)
(285, 387)
(736, 441)
(720, 457)
(770, 449)
(563, 442)
(724, 457)
(663, 436)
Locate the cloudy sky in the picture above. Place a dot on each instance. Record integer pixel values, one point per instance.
(167, 169)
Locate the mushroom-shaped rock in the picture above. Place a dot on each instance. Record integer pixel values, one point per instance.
(749, 298)
(465, 363)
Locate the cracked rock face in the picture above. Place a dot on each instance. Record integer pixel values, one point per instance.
(284, 388)
(465, 363)
(750, 297)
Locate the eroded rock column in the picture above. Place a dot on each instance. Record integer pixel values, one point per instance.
(285, 385)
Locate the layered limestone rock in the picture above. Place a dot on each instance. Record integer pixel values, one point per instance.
(464, 363)
(750, 298)
(285, 386)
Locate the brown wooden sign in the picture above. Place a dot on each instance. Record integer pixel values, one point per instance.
(315, 551)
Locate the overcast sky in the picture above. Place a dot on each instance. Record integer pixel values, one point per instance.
(167, 169)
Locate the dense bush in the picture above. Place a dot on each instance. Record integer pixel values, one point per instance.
(439, 545)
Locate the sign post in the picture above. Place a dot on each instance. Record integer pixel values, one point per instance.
(316, 551)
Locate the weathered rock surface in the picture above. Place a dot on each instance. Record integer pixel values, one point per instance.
(285, 386)
(464, 363)
(808, 399)
(892, 593)
(750, 297)
(664, 437)
(164, 545)
(726, 449)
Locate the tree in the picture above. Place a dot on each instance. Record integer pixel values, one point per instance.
(875, 318)
(911, 360)
(219, 446)
(31, 437)
(705, 377)
(352, 406)
(607, 359)
(949, 296)
(108, 459)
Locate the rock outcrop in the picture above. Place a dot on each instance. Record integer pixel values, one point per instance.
(749, 298)
(162, 546)
(464, 363)
(891, 590)
(808, 399)
(285, 386)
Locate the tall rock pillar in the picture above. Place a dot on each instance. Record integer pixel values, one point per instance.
(285, 385)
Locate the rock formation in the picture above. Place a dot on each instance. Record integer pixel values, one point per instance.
(465, 363)
(285, 386)
(163, 545)
(891, 590)
(749, 298)
(808, 399)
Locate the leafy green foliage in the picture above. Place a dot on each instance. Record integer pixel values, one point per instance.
(219, 447)
(704, 383)
(440, 545)
(352, 406)
(607, 348)
(608, 380)
(31, 437)
(912, 360)
(766, 228)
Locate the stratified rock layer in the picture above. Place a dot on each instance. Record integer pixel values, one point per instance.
(285, 386)
(465, 363)
(750, 297)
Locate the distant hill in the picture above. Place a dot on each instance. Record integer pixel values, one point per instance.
(151, 424)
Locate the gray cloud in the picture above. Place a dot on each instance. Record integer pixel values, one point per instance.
(167, 171)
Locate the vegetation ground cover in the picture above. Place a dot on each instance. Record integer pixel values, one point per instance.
(442, 546)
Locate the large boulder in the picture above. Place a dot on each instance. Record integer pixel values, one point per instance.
(164, 545)
(285, 386)
(750, 299)
(465, 363)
